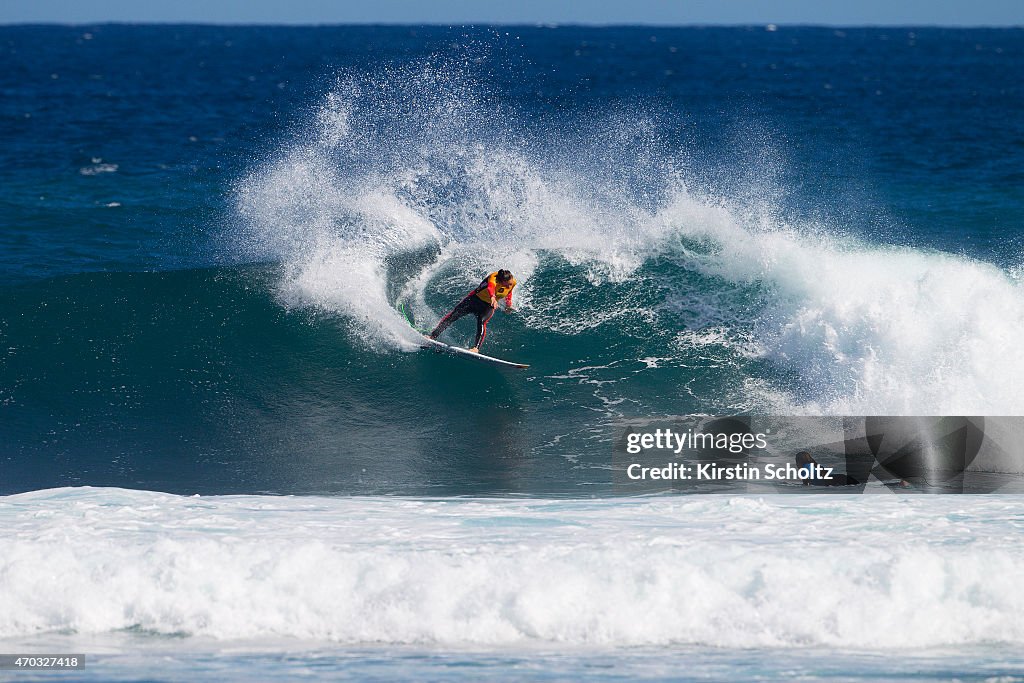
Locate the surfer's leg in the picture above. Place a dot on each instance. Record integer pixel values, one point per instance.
(481, 325)
(462, 308)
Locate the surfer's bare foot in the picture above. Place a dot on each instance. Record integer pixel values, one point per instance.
(473, 350)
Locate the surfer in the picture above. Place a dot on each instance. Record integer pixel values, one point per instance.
(809, 466)
(481, 302)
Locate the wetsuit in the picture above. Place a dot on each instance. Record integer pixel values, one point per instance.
(478, 302)
(806, 461)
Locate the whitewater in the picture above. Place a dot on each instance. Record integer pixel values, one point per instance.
(403, 185)
(238, 578)
(879, 571)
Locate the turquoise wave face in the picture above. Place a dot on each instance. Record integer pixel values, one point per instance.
(211, 381)
(201, 381)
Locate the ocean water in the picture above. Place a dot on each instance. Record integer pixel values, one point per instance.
(691, 587)
(204, 235)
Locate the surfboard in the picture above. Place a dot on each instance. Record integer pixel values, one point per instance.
(441, 347)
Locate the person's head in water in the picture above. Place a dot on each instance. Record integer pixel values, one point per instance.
(812, 472)
(804, 458)
(504, 275)
(804, 461)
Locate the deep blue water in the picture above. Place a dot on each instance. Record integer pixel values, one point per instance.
(203, 230)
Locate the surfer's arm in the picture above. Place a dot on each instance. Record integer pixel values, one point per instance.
(491, 290)
(508, 297)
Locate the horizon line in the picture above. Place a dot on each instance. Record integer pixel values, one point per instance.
(768, 26)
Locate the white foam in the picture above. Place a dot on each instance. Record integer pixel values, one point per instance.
(874, 572)
(416, 159)
(410, 160)
(870, 329)
(98, 168)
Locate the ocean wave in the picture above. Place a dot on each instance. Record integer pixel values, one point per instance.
(875, 572)
(408, 184)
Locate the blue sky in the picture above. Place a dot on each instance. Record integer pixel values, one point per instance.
(835, 12)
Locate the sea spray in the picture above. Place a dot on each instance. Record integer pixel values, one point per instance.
(422, 158)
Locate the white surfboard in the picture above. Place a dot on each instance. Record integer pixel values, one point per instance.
(441, 347)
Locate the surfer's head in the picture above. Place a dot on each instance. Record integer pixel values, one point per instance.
(805, 461)
(504, 275)
(804, 458)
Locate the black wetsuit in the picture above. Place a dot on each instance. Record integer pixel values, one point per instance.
(806, 460)
(834, 480)
(471, 304)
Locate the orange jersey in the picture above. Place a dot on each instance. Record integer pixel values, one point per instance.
(492, 287)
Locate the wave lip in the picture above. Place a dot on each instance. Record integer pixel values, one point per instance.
(880, 573)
